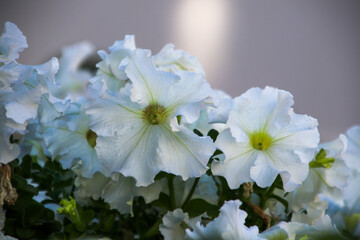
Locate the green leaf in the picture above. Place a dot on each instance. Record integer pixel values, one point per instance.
(213, 134)
(197, 132)
(196, 207)
(163, 202)
(33, 212)
(25, 233)
(87, 216)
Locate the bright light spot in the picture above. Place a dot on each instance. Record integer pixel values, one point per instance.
(201, 28)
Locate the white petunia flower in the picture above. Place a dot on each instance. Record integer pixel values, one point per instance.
(69, 139)
(229, 225)
(171, 60)
(266, 138)
(12, 41)
(109, 70)
(138, 130)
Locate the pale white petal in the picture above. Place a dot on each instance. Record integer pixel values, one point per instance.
(9, 73)
(171, 227)
(229, 225)
(49, 111)
(121, 116)
(338, 173)
(171, 60)
(239, 159)
(70, 79)
(12, 42)
(184, 153)
(119, 192)
(136, 156)
(8, 151)
(352, 153)
(23, 105)
(188, 93)
(109, 69)
(151, 192)
(127, 43)
(149, 84)
(314, 212)
(292, 171)
(263, 172)
(46, 73)
(220, 114)
(352, 193)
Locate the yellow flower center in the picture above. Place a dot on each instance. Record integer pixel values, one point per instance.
(260, 140)
(154, 114)
(91, 138)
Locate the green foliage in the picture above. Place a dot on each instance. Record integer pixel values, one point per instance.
(321, 161)
(27, 218)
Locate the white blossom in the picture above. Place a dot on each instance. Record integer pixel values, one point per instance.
(266, 138)
(137, 128)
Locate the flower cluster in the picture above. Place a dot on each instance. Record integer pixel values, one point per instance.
(148, 130)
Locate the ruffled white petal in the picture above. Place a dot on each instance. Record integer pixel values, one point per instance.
(352, 153)
(184, 153)
(149, 84)
(220, 112)
(114, 116)
(239, 159)
(171, 227)
(171, 60)
(8, 151)
(70, 79)
(187, 95)
(133, 154)
(12, 42)
(229, 225)
(23, 105)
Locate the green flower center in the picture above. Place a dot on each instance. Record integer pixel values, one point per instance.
(154, 114)
(91, 138)
(260, 140)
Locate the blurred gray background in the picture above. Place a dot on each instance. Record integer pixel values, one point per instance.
(310, 48)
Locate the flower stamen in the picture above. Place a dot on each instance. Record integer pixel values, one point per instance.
(91, 138)
(154, 114)
(260, 140)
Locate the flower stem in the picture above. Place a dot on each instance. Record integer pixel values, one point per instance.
(171, 191)
(192, 190)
